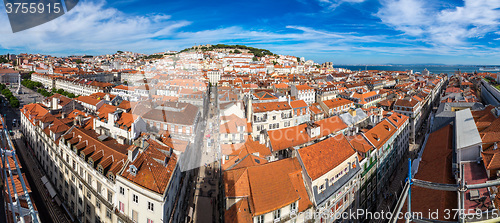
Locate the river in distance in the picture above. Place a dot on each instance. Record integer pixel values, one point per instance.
(435, 69)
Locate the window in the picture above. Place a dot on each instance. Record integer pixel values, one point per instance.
(122, 207)
(260, 219)
(108, 213)
(150, 206)
(122, 190)
(110, 196)
(277, 214)
(99, 187)
(135, 198)
(293, 206)
(98, 204)
(135, 216)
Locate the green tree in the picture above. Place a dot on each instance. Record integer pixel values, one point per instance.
(14, 102)
(60, 91)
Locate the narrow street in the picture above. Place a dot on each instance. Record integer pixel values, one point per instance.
(34, 171)
(48, 210)
(207, 180)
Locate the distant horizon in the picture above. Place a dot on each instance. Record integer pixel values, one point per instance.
(333, 64)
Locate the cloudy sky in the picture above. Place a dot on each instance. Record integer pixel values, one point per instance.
(341, 31)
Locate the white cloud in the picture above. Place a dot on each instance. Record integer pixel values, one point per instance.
(91, 26)
(94, 27)
(453, 26)
(332, 4)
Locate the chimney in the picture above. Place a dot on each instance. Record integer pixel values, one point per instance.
(249, 109)
(132, 153)
(55, 102)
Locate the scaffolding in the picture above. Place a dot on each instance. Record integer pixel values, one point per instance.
(7, 173)
(461, 188)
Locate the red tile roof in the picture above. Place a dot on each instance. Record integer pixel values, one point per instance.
(320, 158)
(436, 166)
(152, 171)
(268, 187)
(297, 135)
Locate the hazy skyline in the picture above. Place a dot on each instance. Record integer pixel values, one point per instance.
(340, 31)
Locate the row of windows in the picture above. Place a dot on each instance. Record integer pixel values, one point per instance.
(135, 199)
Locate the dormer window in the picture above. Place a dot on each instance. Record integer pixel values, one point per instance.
(100, 169)
(91, 162)
(133, 170)
(111, 177)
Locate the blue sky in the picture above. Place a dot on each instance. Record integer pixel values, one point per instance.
(341, 31)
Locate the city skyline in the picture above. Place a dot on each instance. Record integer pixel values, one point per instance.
(341, 31)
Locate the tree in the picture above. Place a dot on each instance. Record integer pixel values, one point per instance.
(14, 102)
(237, 51)
(60, 91)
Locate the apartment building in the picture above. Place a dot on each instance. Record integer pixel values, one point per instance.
(268, 116)
(178, 118)
(367, 195)
(9, 76)
(336, 106)
(390, 139)
(91, 172)
(304, 92)
(232, 130)
(283, 142)
(301, 113)
(48, 81)
(362, 99)
(331, 170)
(214, 76)
(82, 86)
(282, 197)
(122, 126)
(148, 186)
(410, 107)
